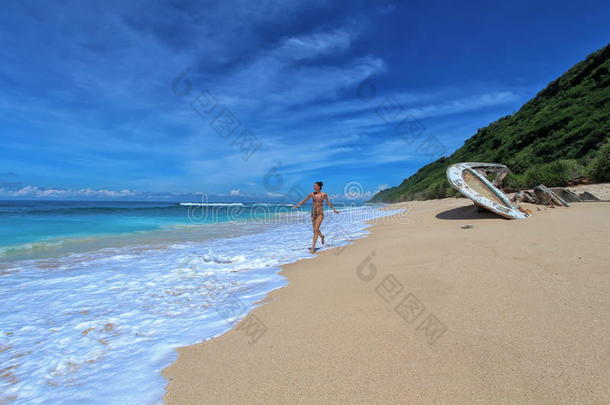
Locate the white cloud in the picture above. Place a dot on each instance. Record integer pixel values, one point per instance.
(314, 45)
(234, 192)
(41, 192)
(389, 111)
(273, 80)
(465, 104)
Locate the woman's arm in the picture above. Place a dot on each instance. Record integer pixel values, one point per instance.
(303, 202)
(329, 203)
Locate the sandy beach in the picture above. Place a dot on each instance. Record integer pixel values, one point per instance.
(427, 310)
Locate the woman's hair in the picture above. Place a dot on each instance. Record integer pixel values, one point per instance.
(320, 184)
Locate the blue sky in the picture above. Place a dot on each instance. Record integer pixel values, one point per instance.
(245, 100)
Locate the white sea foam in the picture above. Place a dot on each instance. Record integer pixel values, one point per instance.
(29, 247)
(98, 327)
(189, 204)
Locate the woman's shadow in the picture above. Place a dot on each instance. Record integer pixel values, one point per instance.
(466, 212)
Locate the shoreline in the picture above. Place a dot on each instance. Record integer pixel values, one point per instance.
(344, 327)
(123, 321)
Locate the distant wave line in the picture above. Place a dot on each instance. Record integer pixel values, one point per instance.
(189, 204)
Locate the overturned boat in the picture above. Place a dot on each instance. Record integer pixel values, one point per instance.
(470, 179)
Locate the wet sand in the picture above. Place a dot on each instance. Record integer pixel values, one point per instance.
(424, 311)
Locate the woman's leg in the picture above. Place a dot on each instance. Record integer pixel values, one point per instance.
(317, 221)
(319, 231)
(314, 235)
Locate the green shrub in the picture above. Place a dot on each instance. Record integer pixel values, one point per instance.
(599, 168)
(436, 190)
(554, 174)
(451, 192)
(514, 182)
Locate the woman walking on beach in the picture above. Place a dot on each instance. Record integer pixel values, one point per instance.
(317, 211)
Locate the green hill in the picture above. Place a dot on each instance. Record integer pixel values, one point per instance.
(561, 134)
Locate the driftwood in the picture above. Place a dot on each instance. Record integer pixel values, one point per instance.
(543, 196)
(547, 197)
(525, 196)
(552, 197)
(566, 194)
(586, 196)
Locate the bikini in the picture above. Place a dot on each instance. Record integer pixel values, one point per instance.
(317, 209)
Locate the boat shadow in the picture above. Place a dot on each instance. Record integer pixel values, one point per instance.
(467, 212)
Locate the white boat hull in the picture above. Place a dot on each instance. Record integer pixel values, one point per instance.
(472, 184)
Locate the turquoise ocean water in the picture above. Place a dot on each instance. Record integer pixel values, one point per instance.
(33, 229)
